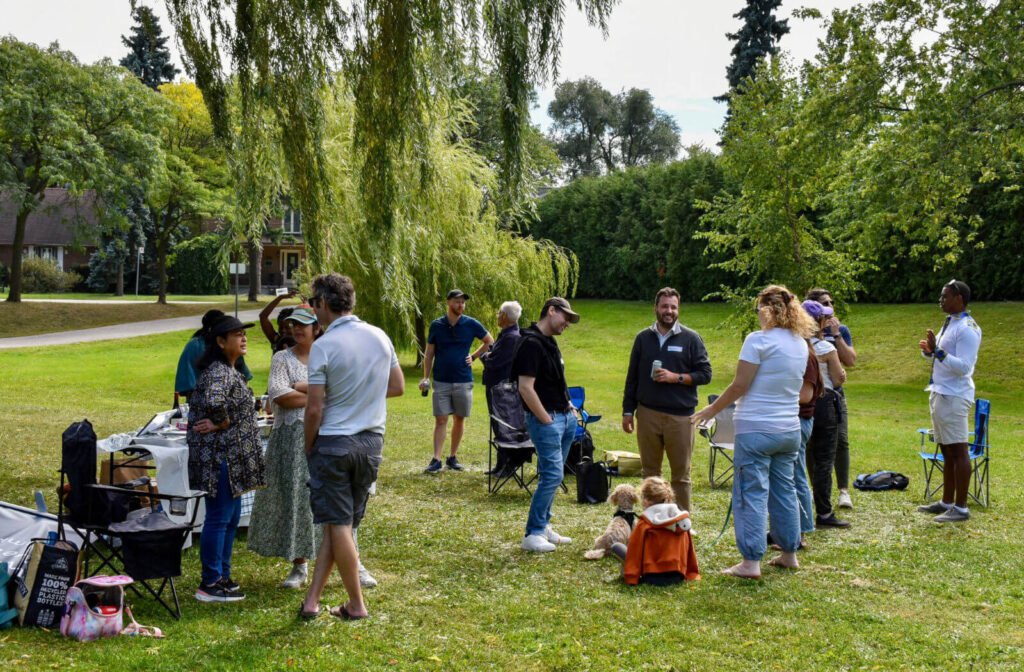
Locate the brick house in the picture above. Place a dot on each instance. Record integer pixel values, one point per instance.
(51, 231)
(282, 258)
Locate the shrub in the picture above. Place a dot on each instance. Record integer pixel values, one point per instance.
(41, 276)
(194, 267)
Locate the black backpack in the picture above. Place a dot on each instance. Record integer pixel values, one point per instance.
(882, 480)
(592, 482)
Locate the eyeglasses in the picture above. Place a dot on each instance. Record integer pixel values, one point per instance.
(315, 300)
(827, 302)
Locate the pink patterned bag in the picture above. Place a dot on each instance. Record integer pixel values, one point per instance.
(95, 608)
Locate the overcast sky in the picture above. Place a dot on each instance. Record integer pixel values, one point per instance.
(676, 49)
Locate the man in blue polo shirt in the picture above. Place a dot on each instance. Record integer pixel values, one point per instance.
(447, 355)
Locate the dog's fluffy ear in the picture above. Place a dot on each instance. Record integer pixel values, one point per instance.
(613, 495)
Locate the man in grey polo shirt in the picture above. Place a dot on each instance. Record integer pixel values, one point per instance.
(352, 370)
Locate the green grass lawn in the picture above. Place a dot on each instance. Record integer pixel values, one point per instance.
(894, 591)
(27, 318)
(91, 296)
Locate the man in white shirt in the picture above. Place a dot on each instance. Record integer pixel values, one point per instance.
(352, 370)
(953, 354)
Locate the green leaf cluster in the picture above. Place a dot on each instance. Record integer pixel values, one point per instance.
(634, 230)
(446, 231)
(197, 268)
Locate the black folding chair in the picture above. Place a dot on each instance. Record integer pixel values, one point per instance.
(116, 530)
(508, 438)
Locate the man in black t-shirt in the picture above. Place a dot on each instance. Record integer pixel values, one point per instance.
(550, 418)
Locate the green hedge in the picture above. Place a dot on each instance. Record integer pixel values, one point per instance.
(194, 268)
(633, 230)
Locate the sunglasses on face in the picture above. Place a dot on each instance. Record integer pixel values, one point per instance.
(314, 301)
(826, 302)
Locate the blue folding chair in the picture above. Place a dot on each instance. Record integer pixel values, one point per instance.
(578, 397)
(978, 451)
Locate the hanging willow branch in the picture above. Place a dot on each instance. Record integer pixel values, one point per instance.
(398, 54)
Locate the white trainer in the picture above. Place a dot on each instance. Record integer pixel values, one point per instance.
(844, 500)
(366, 579)
(298, 576)
(555, 537)
(536, 543)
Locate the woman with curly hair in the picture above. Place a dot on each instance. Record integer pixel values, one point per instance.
(766, 390)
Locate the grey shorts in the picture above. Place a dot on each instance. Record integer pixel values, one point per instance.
(949, 418)
(342, 470)
(453, 399)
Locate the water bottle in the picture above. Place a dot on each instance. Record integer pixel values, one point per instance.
(425, 389)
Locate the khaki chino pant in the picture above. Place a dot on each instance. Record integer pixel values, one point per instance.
(658, 434)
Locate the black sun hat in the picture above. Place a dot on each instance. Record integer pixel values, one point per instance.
(228, 324)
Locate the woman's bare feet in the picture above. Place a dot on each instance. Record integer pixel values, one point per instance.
(786, 561)
(748, 569)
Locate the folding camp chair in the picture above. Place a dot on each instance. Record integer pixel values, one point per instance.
(978, 451)
(508, 437)
(578, 397)
(582, 445)
(721, 435)
(142, 542)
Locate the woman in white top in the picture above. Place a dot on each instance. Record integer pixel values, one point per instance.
(281, 524)
(828, 415)
(766, 390)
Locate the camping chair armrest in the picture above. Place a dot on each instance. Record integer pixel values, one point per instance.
(705, 427)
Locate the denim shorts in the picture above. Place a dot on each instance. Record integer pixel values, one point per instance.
(341, 471)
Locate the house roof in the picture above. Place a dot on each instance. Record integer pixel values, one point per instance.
(59, 220)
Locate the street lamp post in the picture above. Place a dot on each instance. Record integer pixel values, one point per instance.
(138, 265)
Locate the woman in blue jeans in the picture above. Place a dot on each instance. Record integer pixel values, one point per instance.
(225, 457)
(766, 389)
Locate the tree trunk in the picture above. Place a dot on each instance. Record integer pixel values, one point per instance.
(119, 291)
(421, 339)
(14, 296)
(255, 261)
(161, 270)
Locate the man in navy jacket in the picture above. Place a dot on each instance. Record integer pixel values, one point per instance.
(663, 398)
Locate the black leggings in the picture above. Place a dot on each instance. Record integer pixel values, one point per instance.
(821, 450)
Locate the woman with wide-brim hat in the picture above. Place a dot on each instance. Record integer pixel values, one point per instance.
(225, 456)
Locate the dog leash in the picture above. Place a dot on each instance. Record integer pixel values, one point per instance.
(724, 526)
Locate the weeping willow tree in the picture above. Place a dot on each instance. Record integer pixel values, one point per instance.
(446, 232)
(397, 55)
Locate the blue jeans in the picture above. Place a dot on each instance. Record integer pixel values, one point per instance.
(219, 527)
(763, 485)
(552, 444)
(803, 488)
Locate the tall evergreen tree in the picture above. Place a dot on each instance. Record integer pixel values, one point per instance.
(758, 37)
(148, 57)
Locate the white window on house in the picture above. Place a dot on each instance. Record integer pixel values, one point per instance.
(292, 222)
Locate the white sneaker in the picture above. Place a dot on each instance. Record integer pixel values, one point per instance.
(555, 537)
(537, 544)
(844, 500)
(366, 579)
(298, 576)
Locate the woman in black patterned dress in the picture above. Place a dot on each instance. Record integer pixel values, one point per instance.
(225, 456)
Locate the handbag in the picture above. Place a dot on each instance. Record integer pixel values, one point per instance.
(622, 462)
(94, 608)
(592, 482)
(41, 581)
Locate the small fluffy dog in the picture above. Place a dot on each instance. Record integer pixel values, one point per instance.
(624, 497)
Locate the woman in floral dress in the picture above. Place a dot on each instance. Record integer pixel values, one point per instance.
(281, 524)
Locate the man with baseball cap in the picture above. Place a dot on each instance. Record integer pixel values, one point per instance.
(447, 356)
(538, 367)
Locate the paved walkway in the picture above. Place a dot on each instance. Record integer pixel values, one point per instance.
(100, 302)
(120, 331)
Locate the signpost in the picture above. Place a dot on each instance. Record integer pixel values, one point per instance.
(236, 269)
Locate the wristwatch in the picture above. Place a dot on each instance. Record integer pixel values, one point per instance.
(681, 377)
